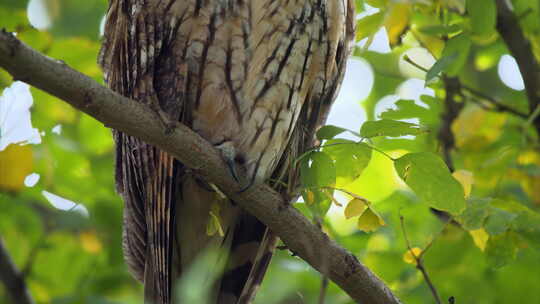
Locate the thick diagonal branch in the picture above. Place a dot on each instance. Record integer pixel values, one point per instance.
(135, 119)
(13, 279)
(520, 47)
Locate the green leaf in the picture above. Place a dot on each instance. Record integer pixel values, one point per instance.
(36, 39)
(459, 46)
(350, 158)
(482, 15)
(498, 221)
(329, 132)
(318, 201)
(430, 179)
(440, 66)
(407, 108)
(476, 213)
(359, 4)
(369, 25)
(318, 170)
(13, 19)
(377, 3)
(500, 250)
(440, 29)
(387, 127)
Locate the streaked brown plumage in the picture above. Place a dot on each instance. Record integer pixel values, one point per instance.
(253, 77)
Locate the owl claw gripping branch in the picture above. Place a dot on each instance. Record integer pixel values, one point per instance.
(228, 154)
(256, 79)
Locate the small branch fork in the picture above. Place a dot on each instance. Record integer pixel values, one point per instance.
(136, 119)
(419, 258)
(419, 261)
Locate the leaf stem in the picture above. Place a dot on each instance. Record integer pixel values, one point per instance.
(381, 151)
(416, 65)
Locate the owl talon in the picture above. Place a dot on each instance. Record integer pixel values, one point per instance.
(168, 124)
(228, 154)
(163, 116)
(232, 169)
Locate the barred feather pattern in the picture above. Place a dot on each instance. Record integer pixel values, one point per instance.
(259, 75)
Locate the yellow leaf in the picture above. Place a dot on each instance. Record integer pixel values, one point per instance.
(529, 157)
(90, 242)
(433, 44)
(215, 208)
(397, 21)
(465, 178)
(355, 208)
(309, 197)
(480, 238)
(409, 256)
(528, 181)
(370, 221)
(214, 223)
(476, 128)
(15, 165)
(531, 184)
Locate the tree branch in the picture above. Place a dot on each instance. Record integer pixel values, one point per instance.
(133, 118)
(451, 113)
(12, 278)
(520, 47)
(497, 106)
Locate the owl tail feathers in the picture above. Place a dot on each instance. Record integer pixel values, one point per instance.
(157, 282)
(150, 286)
(251, 250)
(262, 261)
(226, 268)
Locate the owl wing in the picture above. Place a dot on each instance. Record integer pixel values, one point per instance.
(146, 177)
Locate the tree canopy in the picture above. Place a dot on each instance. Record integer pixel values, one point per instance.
(441, 185)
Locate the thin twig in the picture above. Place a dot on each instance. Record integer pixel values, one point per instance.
(497, 105)
(415, 64)
(13, 279)
(324, 278)
(420, 263)
(322, 292)
(452, 109)
(27, 268)
(534, 115)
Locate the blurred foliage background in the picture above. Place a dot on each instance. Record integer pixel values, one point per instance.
(61, 219)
